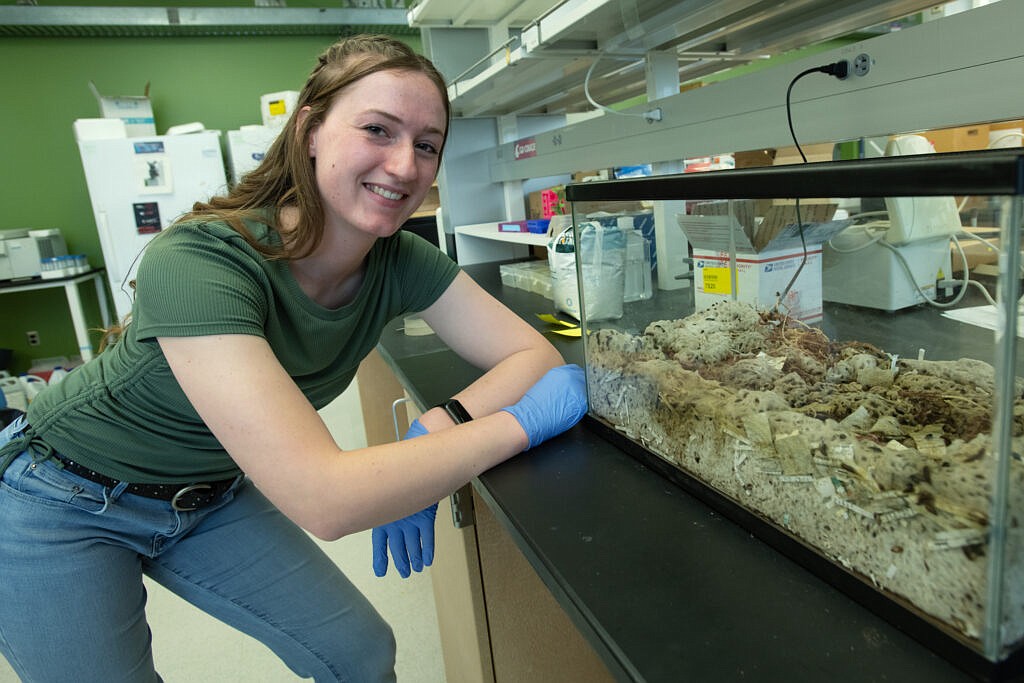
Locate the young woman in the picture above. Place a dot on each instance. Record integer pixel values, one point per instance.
(191, 450)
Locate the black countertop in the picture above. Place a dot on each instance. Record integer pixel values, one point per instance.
(662, 585)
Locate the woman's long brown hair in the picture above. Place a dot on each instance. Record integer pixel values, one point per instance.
(285, 177)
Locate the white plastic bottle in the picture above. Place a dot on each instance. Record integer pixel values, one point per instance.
(31, 385)
(58, 375)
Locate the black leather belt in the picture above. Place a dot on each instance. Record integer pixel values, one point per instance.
(183, 497)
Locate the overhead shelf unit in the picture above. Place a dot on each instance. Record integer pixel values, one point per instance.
(476, 14)
(543, 63)
(933, 75)
(31, 20)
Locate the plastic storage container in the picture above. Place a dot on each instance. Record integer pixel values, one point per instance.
(638, 281)
(533, 276)
(880, 450)
(64, 266)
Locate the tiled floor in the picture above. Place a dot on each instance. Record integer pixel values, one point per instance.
(191, 647)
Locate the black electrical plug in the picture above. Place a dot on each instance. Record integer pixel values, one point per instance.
(840, 69)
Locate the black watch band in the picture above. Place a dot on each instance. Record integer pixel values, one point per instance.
(455, 411)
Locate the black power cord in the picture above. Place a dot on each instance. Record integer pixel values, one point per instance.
(840, 70)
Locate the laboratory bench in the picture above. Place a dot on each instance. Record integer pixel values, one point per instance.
(591, 564)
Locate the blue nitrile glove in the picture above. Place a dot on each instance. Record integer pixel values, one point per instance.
(411, 538)
(552, 405)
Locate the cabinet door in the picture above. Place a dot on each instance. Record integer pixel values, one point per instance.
(532, 638)
(459, 597)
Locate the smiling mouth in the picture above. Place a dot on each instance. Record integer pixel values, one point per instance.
(387, 194)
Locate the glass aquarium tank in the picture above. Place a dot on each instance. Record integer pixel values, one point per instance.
(842, 374)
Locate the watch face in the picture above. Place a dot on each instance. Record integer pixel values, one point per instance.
(456, 411)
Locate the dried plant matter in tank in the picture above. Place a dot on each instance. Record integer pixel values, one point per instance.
(881, 464)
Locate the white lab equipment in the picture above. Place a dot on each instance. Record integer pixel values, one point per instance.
(895, 263)
(31, 385)
(138, 186)
(918, 218)
(22, 252)
(14, 395)
(246, 148)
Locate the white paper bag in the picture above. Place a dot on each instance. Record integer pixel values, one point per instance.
(602, 255)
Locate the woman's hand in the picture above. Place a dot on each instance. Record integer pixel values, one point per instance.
(552, 405)
(411, 538)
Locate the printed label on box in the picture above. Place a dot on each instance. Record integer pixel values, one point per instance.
(278, 107)
(717, 281)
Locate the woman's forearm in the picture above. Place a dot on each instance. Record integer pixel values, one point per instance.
(347, 497)
(507, 381)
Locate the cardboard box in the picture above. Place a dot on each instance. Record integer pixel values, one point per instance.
(276, 107)
(760, 280)
(978, 253)
(585, 176)
(551, 201)
(754, 158)
(547, 202)
(737, 255)
(135, 110)
(99, 129)
(959, 139)
(815, 152)
(979, 136)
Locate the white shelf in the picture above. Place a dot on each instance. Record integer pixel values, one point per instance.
(489, 231)
(482, 242)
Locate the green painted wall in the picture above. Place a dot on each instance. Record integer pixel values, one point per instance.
(44, 87)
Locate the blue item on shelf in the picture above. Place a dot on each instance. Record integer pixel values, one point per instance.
(538, 225)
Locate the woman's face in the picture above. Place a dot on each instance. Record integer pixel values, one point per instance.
(377, 151)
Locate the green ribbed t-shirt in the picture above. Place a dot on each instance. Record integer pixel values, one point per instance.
(124, 415)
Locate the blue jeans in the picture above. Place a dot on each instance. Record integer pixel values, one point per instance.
(72, 601)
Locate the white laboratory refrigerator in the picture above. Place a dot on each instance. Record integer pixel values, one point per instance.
(246, 148)
(138, 186)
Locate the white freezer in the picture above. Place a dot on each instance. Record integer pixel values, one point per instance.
(138, 186)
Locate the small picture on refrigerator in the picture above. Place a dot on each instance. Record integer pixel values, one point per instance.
(147, 217)
(154, 175)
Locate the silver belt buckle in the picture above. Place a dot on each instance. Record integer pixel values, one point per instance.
(186, 490)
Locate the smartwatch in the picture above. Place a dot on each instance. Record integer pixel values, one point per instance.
(455, 411)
